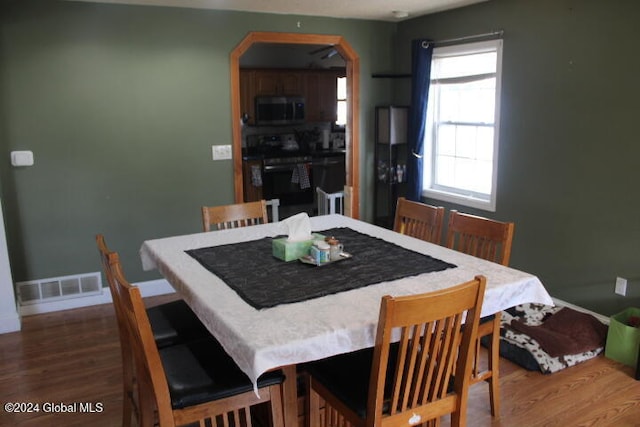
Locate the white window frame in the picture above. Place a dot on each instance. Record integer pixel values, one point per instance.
(462, 197)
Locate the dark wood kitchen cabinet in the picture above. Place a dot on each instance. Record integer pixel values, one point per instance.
(259, 82)
(321, 93)
(247, 94)
(278, 82)
(318, 87)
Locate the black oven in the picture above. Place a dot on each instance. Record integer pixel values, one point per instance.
(289, 179)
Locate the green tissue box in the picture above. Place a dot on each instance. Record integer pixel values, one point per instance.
(289, 251)
(623, 340)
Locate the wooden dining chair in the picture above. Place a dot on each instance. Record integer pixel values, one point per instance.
(491, 240)
(414, 381)
(235, 215)
(193, 382)
(171, 323)
(129, 396)
(348, 201)
(419, 220)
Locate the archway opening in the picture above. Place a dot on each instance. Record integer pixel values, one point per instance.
(353, 105)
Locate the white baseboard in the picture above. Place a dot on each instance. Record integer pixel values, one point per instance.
(147, 289)
(600, 317)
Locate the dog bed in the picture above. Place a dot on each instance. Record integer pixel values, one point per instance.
(548, 339)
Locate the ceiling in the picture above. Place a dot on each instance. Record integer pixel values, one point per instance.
(284, 55)
(381, 10)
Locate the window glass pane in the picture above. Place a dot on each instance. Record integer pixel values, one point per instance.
(341, 113)
(342, 88)
(445, 171)
(483, 172)
(465, 174)
(484, 138)
(472, 102)
(466, 142)
(446, 140)
(465, 65)
(341, 107)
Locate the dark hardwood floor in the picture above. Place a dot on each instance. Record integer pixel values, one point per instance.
(74, 357)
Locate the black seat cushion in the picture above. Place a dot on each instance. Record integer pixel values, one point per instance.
(201, 371)
(488, 318)
(174, 322)
(347, 376)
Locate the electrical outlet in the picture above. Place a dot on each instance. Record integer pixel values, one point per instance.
(621, 286)
(221, 152)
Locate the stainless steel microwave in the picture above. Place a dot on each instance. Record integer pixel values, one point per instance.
(279, 110)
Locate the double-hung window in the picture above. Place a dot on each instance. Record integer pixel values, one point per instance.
(341, 102)
(462, 128)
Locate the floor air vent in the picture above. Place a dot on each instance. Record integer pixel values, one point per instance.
(59, 288)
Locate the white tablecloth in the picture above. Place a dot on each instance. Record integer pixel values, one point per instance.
(260, 340)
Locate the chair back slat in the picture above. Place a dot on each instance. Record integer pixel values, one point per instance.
(433, 352)
(234, 216)
(481, 237)
(419, 220)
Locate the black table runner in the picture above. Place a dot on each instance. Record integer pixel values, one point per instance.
(264, 281)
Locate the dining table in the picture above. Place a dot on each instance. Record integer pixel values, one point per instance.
(270, 314)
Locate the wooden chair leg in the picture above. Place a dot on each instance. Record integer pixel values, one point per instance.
(277, 413)
(312, 405)
(146, 407)
(494, 367)
(129, 408)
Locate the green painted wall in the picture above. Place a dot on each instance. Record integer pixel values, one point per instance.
(569, 148)
(120, 105)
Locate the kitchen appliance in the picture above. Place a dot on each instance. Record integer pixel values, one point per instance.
(329, 171)
(279, 110)
(287, 172)
(291, 170)
(288, 179)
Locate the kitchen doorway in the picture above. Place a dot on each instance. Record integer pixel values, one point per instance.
(353, 105)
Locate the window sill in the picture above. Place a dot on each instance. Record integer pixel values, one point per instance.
(470, 201)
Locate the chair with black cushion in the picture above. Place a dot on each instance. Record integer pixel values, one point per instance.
(192, 382)
(491, 240)
(234, 215)
(414, 381)
(419, 220)
(171, 323)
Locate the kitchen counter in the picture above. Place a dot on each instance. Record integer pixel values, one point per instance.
(329, 153)
(315, 154)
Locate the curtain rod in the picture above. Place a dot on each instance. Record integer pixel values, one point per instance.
(493, 34)
(484, 36)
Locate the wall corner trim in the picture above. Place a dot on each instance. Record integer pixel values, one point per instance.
(9, 323)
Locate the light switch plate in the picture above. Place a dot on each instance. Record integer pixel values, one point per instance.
(221, 152)
(22, 158)
(621, 286)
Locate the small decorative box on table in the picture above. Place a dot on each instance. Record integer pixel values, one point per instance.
(289, 251)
